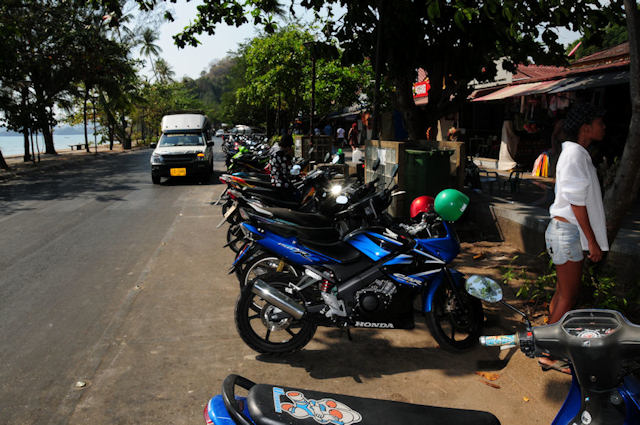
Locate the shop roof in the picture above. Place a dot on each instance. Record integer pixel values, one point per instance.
(519, 90)
(613, 55)
(528, 73)
(593, 81)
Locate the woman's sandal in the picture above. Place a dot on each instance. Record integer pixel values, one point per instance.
(558, 365)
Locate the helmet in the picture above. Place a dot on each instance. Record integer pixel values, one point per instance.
(420, 205)
(450, 204)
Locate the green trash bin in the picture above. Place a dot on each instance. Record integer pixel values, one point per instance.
(427, 172)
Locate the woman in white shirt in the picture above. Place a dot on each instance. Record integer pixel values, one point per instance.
(577, 214)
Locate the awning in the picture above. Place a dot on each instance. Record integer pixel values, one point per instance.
(594, 81)
(506, 92)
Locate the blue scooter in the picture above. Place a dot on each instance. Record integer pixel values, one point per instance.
(599, 344)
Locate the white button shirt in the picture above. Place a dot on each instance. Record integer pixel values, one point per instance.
(577, 184)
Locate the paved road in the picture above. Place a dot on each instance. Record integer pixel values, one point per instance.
(112, 281)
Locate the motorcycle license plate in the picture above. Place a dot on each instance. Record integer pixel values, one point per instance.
(178, 172)
(227, 214)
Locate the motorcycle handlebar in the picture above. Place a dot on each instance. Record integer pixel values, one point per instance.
(499, 340)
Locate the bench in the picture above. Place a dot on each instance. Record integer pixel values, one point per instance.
(77, 146)
(489, 177)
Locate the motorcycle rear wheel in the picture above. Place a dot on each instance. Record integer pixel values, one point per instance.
(252, 317)
(261, 264)
(455, 319)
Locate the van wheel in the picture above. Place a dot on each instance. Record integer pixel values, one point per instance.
(155, 179)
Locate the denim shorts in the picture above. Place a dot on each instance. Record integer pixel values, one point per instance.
(563, 242)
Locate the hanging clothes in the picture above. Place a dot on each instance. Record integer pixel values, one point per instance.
(508, 146)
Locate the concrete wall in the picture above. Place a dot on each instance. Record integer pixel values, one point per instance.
(390, 153)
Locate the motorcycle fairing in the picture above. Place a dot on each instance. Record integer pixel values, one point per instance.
(288, 248)
(373, 245)
(630, 391)
(438, 279)
(216, 413)
(444, 249)
(571, 406)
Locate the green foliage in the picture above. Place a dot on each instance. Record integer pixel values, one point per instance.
(540, 289)
(613, 34)
(601, 288)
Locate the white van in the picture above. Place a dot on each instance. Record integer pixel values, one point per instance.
(184, 149)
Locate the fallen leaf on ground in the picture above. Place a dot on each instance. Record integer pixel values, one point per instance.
(491, 384)
(488, 375)
(525, 398)
(478, 256)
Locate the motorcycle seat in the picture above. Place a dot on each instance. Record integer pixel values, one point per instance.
(274, 405)
(303, 219)
(268, 196)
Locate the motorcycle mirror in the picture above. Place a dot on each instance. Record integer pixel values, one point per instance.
(327, 157)
(313, 148)
(342, 200)
(295, 170)
(376, 164)
(484, 288)
(335, 159)
(394, 170)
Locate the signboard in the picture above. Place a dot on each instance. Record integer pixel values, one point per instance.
(421, 89)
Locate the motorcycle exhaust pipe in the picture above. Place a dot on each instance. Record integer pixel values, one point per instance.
(277, 298)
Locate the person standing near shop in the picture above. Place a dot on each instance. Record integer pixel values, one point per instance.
(577, 214)
(353, 136)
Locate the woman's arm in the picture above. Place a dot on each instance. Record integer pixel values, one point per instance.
(580, 211)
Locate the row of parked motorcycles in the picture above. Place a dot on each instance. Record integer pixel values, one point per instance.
(329, 255)
(245, 152)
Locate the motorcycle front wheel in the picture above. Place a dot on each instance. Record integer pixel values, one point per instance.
(455, 319)
(264, 327)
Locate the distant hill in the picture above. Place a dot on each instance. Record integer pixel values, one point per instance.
(62, 130)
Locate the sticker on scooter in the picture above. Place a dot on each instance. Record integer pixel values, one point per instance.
(324, 411)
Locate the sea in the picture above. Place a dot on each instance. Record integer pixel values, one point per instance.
(14, 145)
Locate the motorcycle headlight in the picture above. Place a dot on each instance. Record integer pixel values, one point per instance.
(156, 159)
(336, 190)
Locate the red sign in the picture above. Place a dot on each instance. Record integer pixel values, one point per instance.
(421, 89)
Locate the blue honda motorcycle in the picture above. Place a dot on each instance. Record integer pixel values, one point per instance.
(601, 346)
(366, 279)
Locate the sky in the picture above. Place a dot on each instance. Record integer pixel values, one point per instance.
(191, 61)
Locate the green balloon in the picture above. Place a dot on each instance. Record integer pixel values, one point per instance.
(450, 204)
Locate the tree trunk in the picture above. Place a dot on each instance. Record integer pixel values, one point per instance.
(3, 163)
(84, 114)
(621, 195)
(48, 138)
(413, 116)
(27, 151)
(126, 142)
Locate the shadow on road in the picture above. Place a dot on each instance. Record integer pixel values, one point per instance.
(99, 179)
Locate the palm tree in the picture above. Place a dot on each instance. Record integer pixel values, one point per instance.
(164, 72)
(148, 47)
